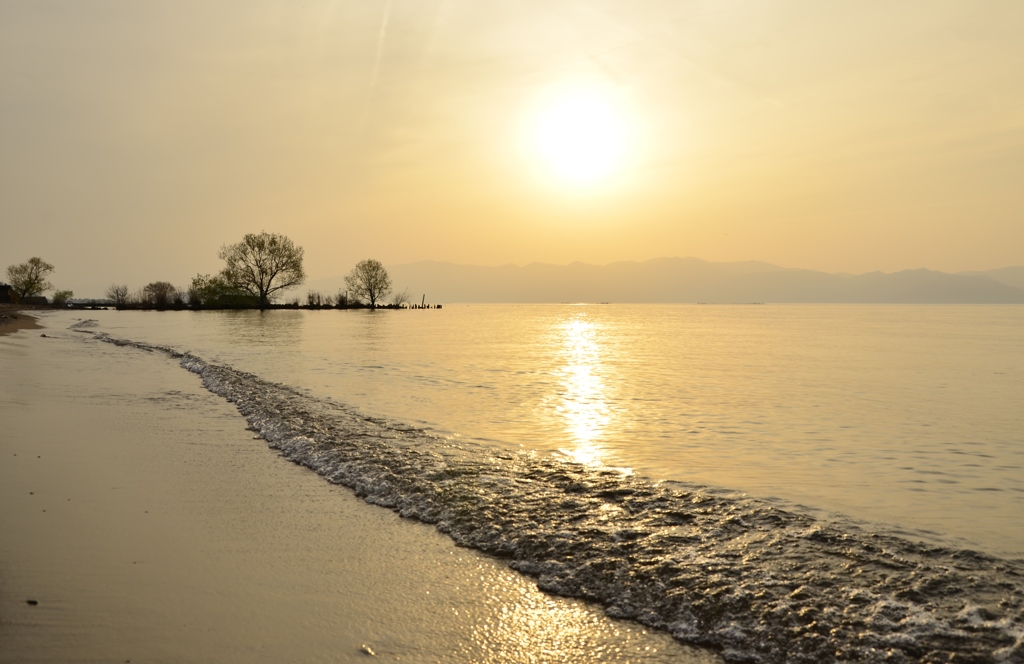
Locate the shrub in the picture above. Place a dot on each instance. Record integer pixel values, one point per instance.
(61, 297)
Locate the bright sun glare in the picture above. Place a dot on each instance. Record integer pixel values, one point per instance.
(581, 136)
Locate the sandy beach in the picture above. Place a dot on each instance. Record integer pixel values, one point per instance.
(12, 320)
(140, 521)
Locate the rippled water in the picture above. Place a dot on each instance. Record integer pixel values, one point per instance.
(755, 582)
(906, 415)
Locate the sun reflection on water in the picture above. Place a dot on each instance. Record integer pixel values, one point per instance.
(583, 405)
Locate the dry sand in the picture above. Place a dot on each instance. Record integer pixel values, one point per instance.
(149, 526)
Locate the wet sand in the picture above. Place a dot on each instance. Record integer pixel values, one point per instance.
(12, 320)
(147, 524)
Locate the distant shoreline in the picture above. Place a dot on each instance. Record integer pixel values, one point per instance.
(18, 310)
(679, 280)
(272, 307)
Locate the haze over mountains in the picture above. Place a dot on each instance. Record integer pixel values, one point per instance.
(695, 280)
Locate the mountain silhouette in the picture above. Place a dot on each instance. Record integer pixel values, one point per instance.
(693, 280)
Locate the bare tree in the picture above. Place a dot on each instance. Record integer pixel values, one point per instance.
(262, 265)
(118, 293)
(369, 281)
(29, 279)
(398, 299)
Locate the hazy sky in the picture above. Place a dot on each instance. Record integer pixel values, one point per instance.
(138, 137)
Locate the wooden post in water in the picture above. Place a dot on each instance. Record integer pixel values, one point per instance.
(423, 301)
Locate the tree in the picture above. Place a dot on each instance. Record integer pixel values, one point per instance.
(261, 265)
(29, 279)
(369, 281)
(118, 293)
(160, 294)
(215, 291)
(398, 299)
(61, 297)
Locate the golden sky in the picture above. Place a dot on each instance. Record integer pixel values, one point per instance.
(137, 137)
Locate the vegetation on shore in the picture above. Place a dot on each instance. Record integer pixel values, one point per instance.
(261, 265)
(369, 282)
(257, 271)
(29, 280)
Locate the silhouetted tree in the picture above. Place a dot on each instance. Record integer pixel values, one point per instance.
(215, 291)
(29, 279)
(369, 281)
(263, 264)
(398, 299)
(61, 297)
(160, 294)
(118, 293)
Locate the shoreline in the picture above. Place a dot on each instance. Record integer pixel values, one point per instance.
(617, 540)
(551, 520)
(14, 319)
(146, 523)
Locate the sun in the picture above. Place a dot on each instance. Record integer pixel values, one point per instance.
(580, 136)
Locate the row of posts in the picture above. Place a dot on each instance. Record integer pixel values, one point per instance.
(423, 304)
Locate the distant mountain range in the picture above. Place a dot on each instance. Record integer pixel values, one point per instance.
(695, 280)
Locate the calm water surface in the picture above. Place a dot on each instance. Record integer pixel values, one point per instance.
(907, 415)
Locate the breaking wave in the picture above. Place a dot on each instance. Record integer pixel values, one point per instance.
(736, 574)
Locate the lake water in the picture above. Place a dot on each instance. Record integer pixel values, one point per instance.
(906, 415)
(782, 483)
